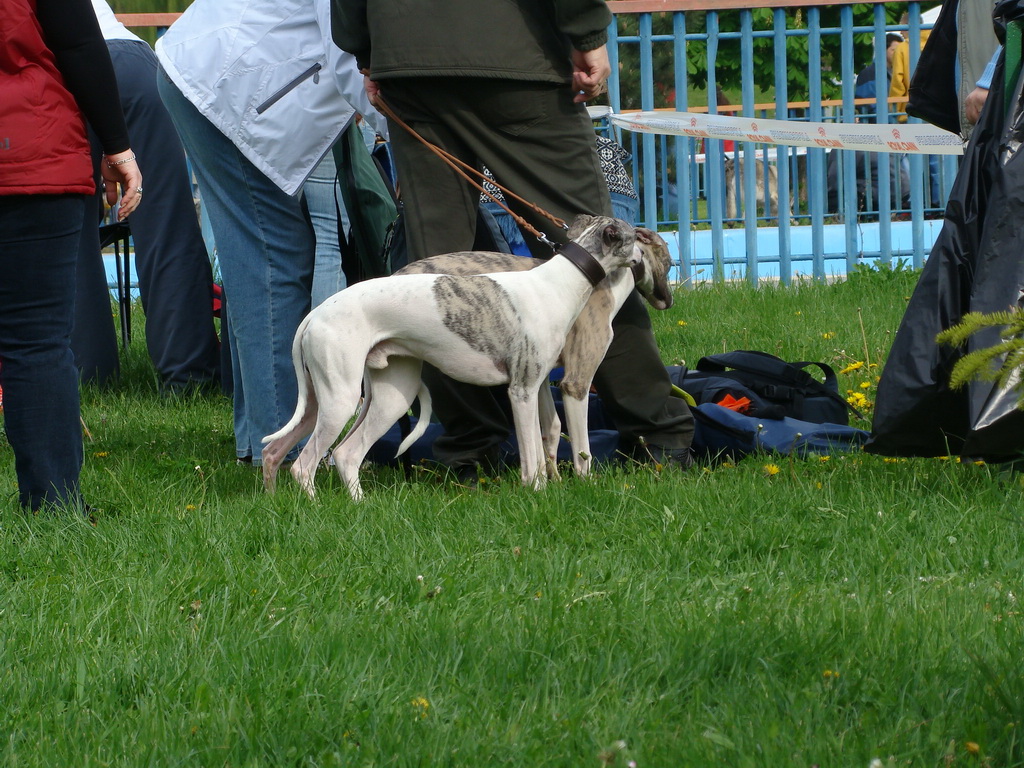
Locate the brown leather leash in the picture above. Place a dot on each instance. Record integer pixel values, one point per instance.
(463, 169)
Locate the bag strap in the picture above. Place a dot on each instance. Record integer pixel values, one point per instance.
(759, 363)
(831, 385)
(831, 381)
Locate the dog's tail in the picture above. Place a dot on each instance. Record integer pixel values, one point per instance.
(277, 445)
(421, 424)
(306, 404)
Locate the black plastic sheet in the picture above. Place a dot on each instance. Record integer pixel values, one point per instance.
(976, 265)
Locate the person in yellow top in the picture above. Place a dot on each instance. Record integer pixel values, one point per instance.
(899, 87)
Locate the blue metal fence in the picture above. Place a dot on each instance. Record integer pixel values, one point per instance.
(817, 228)
(705, 199)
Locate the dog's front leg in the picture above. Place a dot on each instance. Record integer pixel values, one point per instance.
(581, 359)
(526, 416)
(576, 417)
(551, 430)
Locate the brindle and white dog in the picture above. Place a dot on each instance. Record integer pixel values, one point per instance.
(504, 328)
(588, 339)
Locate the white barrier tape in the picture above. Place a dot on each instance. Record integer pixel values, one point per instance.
(769, 153)
(919, 138)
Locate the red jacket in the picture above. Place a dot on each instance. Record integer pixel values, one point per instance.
(43, 144)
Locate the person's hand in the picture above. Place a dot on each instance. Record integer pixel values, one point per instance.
(121, 168)
(974, 103)
(590, 70)
(372, 89)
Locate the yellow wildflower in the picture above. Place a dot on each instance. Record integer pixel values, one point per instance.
(855, 366)
(865, 385)
(828, 335)
(771, 469)
(421, 705)
(681, 323)
(972, 747)
(101, 454)
(857, 400)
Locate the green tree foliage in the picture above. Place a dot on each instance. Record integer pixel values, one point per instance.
(728, 61)
(1002, 363)
(149, 6)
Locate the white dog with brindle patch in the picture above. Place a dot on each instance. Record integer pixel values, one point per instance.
(588, 339)
(503, 328)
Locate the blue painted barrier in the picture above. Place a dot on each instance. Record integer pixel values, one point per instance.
(683, 182)
(683, 185)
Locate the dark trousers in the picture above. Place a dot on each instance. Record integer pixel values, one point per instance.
(174, 272)
(541, 145)
(38, 251)
(93, 338)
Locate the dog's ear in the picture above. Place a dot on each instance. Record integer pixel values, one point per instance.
(579, 223)
(644, 235)
(661, 295)
(612, 234)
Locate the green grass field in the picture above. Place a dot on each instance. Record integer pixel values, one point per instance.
(773, 612)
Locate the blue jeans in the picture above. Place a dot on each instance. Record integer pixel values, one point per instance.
(38, 251)
(322, 195)
(265, 248)
(625, 208)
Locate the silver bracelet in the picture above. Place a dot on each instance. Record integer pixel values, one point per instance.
(122, 161)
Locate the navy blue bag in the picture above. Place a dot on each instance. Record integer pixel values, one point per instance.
(721, 432)
(775, 388)
(778, 392)
(718, 433)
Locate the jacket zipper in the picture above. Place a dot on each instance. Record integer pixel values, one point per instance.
(313, 72)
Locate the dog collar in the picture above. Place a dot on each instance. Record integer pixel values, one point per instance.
(584, 261)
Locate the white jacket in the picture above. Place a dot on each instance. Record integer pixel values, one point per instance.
(268, 75)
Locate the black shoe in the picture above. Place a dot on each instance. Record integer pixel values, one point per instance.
(663, 458)
(91, 514)
(466, 475)
(76, 504)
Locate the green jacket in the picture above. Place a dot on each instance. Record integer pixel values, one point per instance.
(506, 39)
